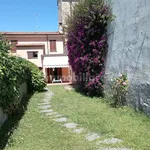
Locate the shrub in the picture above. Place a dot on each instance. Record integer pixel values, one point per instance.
(87, 43)
(13, 72)
(37, 78)
(120, 87)
(12, 75)
(4, 45)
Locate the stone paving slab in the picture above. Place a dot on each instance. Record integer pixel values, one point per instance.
(46, 89)
(69, 88)
(45, 107)
(110, 141)
(51, 113)
(70, 125)
(46, 111)
(92, 136)
(63, 119)
(78, 131)
(56, 116)
(46, 100)
(42, 103)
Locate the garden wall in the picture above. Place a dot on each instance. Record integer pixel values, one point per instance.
(23, 92)
(129, 49)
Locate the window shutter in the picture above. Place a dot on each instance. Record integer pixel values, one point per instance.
(14, 43)
(53, 46)
(30, 55)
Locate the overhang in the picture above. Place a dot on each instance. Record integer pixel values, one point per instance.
(55, 62)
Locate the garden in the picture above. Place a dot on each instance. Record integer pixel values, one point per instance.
(88, 104)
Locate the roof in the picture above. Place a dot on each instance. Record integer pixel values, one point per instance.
(30, 33)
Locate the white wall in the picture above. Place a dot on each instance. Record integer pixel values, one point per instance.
(59, 46)
(65, 11)
(23, 52)
(129, 49)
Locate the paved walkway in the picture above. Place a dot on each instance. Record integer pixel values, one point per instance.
(46, 108)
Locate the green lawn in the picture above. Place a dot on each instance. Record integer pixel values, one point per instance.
(34, 131)
(37, 132)
(94, 114)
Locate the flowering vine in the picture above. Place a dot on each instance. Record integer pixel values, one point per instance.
(87, 43)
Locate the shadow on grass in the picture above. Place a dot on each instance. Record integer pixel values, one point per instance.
(12, 123)
(80, 90)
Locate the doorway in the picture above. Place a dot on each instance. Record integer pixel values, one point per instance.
(57, 73)
(53, 74)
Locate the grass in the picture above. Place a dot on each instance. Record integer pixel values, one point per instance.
(94, 114)
(30, 130)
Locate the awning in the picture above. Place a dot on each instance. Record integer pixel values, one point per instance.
(55, 62)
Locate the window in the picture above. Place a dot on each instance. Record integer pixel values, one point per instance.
(35, 54)
(32, 55)
(14, 43)
(53, 46)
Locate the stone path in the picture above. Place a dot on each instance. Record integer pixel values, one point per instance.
(46, 109)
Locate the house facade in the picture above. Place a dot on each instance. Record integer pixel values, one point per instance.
(65, 8)
(44, 49)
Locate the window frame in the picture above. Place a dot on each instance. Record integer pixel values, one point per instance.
(32, 56)
(53, 47)
(13, 44)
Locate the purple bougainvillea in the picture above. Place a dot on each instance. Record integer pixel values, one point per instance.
(87, 43)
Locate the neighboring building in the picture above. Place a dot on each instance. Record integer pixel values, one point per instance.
(44, 49)
(65, 8)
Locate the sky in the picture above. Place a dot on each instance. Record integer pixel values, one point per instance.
(28, 15)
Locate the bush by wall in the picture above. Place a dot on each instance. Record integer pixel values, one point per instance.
(13, 72)
(119, 90)
(87, 43)
(37, 77)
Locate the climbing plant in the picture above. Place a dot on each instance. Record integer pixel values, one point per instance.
(87, 43)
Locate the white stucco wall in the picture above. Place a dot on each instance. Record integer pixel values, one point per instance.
(129, 49)
(66, 8)
(24, 54)
(59, 45)
(65, 11)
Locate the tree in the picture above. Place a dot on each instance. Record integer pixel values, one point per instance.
(4, 45)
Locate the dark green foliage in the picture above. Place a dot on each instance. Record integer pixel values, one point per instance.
(37, 78)
(13, 72)
(4, 45)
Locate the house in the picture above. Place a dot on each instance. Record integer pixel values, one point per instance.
(47, 50)
(44, 49)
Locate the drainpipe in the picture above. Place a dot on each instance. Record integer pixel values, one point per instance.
(47, 45)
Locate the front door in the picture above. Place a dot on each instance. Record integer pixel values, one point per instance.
(57, 73)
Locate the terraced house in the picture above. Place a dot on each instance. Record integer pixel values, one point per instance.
(45, 49)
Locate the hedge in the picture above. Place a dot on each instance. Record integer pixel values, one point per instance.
(13, 72)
